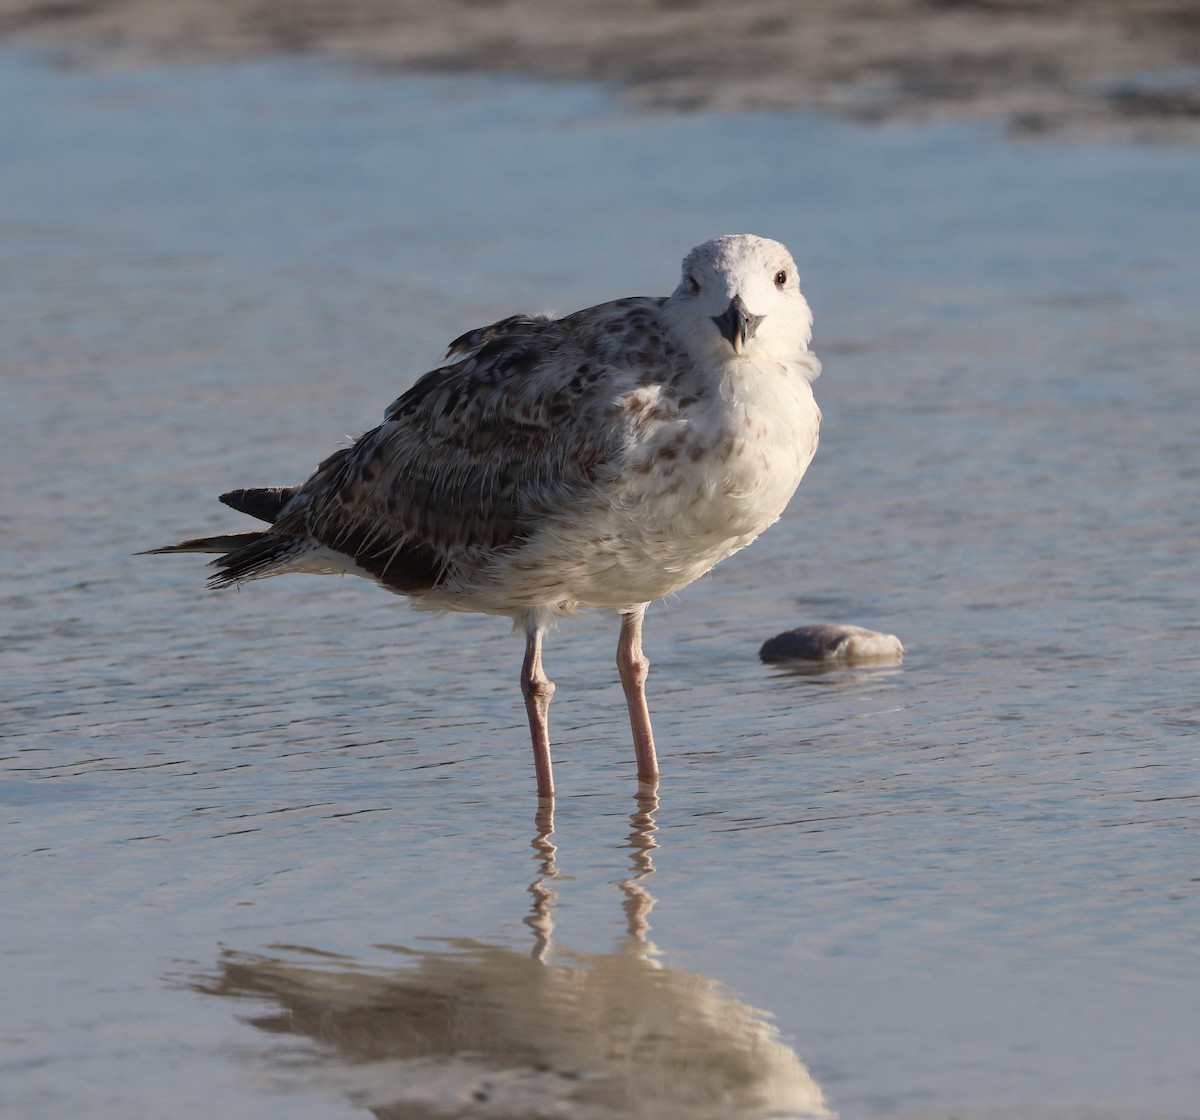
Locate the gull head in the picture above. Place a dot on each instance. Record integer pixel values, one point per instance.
(739, 297)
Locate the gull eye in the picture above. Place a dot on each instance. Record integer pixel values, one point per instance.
(781, 278)
(690, 285)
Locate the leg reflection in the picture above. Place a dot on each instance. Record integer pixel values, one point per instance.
(541, 916)
(638, 900)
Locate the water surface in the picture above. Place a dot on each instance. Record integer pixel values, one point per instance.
(969, 885)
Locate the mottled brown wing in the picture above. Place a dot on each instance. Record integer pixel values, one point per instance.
(468, 459)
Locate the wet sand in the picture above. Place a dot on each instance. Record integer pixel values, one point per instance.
(964, 885)
(1118, 69)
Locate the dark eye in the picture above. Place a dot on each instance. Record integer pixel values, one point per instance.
(780, 278)
(690, 285)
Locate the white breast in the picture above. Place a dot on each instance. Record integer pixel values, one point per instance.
(697, 483)
(701, 486)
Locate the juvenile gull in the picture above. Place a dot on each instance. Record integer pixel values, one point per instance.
(604, 459)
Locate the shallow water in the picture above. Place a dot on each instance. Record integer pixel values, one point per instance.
(252, 839)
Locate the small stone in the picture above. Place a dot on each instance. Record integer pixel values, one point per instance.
(847, 645)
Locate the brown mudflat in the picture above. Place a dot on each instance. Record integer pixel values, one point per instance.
(1113, 68)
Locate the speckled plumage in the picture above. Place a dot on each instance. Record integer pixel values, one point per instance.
(603, 459)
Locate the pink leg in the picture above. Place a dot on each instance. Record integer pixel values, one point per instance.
(634, 667)
(538, 689)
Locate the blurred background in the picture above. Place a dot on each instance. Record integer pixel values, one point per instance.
(1116, 67)
(277, 851)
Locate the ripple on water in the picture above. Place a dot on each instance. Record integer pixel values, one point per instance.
(964, 882)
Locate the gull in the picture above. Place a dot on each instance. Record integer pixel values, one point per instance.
(605, 459)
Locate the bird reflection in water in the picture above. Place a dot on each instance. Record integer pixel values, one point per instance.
(484, 1031)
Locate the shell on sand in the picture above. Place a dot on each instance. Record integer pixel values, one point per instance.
(833, 642)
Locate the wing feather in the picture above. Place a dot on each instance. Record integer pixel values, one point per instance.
(468, 458)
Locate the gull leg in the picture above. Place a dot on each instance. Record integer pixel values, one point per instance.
(634, 667)
(537, 689)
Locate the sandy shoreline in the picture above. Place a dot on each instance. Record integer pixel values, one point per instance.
(1116, 68)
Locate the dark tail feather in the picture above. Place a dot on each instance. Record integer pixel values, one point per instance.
(262, 554)
(229, 542)
(264, 502)
(242, 555)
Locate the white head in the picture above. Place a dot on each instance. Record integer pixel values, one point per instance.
(739, 296)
